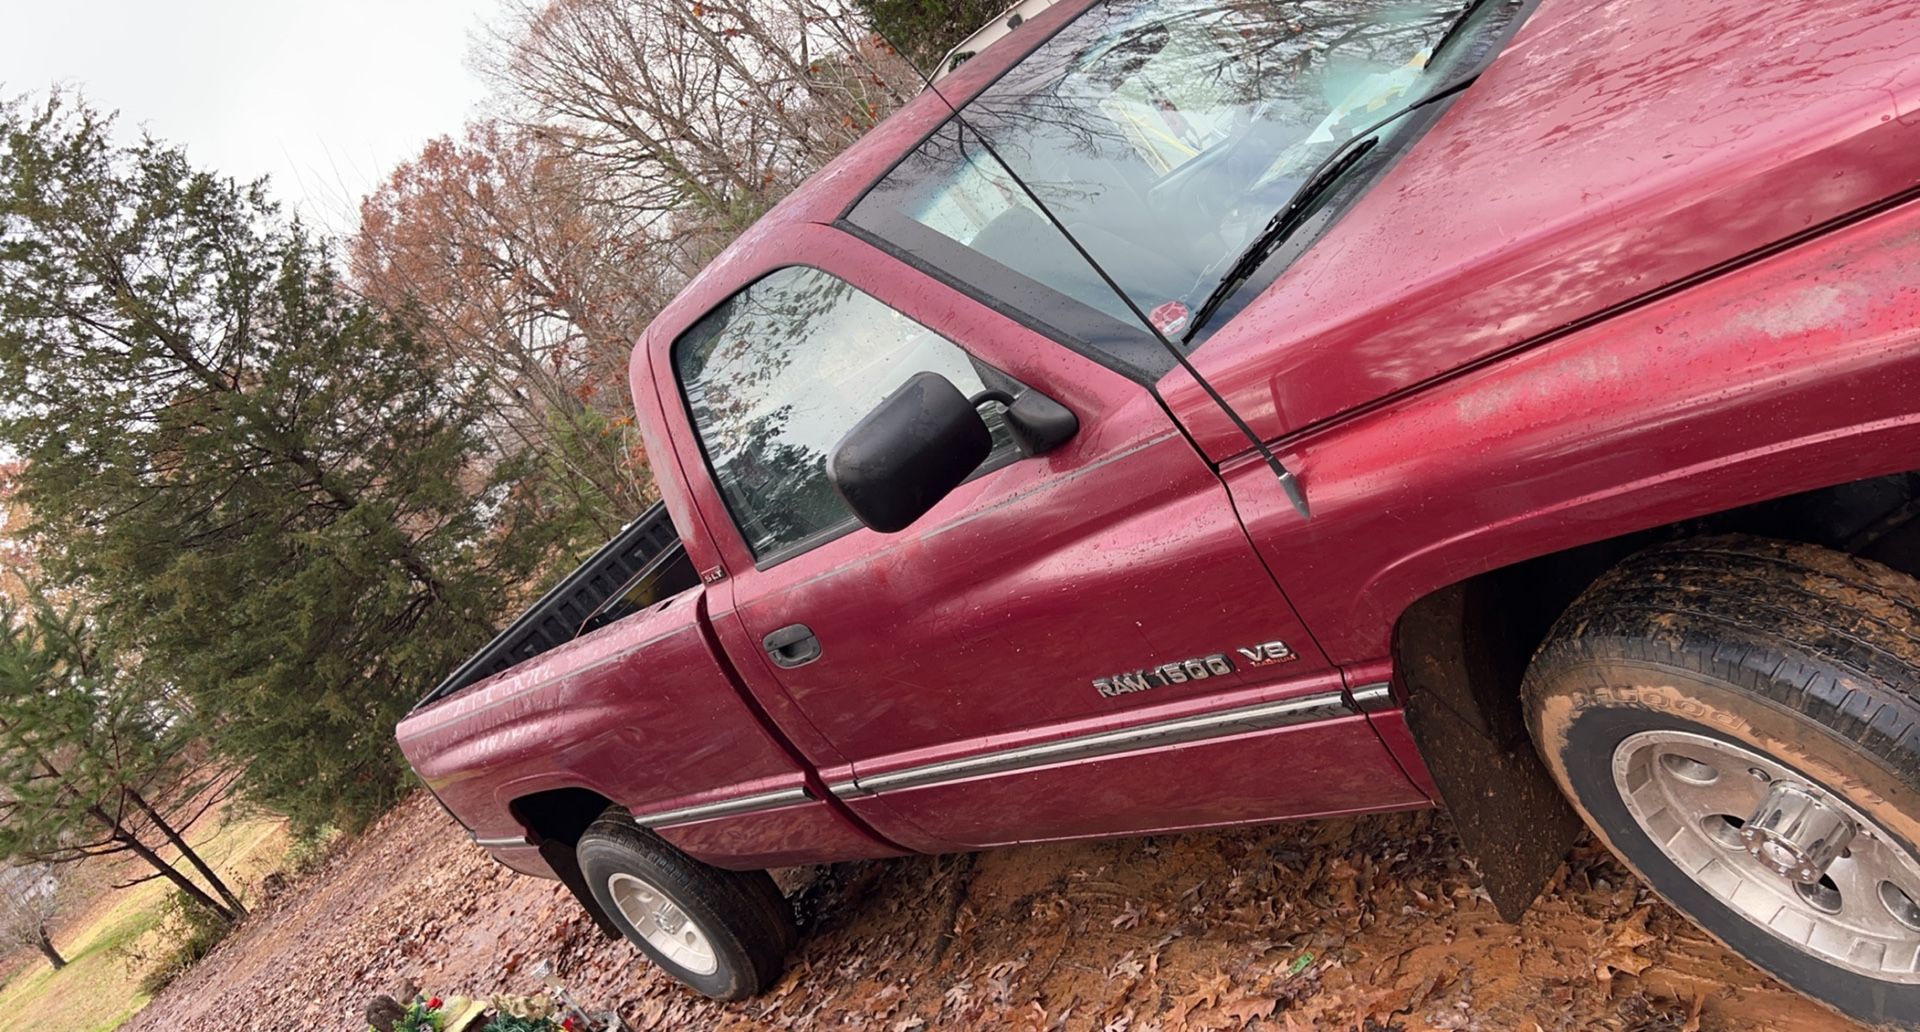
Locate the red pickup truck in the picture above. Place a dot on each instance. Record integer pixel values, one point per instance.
(1587, 333)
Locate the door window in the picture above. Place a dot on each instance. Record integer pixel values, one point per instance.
(779, 372)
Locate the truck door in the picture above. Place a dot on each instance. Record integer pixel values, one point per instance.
(1078, 643)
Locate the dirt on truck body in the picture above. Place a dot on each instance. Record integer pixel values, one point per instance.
(1191, 414)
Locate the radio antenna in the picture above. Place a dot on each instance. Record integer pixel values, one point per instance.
(1288, 483)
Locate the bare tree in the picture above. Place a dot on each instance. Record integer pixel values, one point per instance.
(715, 109)
(29, 898)
(495, 248)
(637, 138)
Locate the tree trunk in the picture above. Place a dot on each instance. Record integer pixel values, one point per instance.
(46, 949)
(237, 908)
(139, 849)
(119, 833)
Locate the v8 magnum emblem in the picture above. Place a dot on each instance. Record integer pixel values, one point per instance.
(1267, 653)
(1198, 668)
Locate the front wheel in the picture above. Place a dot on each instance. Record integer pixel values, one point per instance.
(1737, 719)
(724, 933)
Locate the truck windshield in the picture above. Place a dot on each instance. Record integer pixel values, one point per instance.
(1163, 134)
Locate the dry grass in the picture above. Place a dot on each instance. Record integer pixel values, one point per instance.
(99, 989)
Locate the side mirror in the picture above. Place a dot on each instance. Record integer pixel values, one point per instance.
(1040, 424)
(923, 441)
(1037, 423)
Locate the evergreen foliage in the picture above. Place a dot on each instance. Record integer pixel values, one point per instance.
(924, 30)
(93, 762)
(70, 736)
(280, 507)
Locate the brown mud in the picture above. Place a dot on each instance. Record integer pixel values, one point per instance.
(1356, 924)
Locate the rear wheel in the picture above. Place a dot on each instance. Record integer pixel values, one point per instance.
(1737, 719)
(725, 933)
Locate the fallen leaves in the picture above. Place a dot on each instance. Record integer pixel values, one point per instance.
(1693, 1016)
(1207, 994)
(1621, 954)
(1310, 928)
(1246, 1008)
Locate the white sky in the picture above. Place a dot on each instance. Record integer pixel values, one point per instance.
(323, 96)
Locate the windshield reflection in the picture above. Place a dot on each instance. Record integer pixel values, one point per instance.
(1163, 134)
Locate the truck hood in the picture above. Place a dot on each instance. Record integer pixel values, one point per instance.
(1612, 151)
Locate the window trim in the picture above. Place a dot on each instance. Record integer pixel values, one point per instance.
(1146, 367)
(828, 535)
(846, 214)
(996, 461)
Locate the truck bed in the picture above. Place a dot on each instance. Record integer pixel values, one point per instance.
(611, 685)
(643, 564)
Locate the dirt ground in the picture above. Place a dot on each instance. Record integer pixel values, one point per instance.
(1366, 924)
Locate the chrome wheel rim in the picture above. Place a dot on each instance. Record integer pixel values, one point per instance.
(1695, 797)
(663, 924)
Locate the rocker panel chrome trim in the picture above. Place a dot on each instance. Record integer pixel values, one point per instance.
(1372, 698)
(723, 808)
(1263, 716)
(500, 843)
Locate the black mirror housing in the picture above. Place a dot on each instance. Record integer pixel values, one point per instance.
(1040, 424)
(922, 441)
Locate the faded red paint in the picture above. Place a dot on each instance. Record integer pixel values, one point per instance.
(1613, 149)
(607, 712)
(1474, 367)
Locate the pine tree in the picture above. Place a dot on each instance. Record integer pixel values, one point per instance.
(267, 491)
(94, 765)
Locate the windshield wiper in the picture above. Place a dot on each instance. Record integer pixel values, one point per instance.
(1453, 30)
(1301, 204)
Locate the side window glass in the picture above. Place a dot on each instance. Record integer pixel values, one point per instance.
(778, 373)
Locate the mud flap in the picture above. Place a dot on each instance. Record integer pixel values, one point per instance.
(1462, 678)
(566, 864)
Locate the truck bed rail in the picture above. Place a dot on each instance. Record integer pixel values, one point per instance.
(643, 563)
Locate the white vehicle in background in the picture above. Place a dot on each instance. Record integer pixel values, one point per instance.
(990, 33)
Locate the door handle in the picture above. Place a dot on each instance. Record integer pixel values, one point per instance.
(792, 646)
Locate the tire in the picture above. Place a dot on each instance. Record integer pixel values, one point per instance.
(1699, 677)
(729, 932)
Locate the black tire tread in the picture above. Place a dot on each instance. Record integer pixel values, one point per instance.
(1764, 615)
(1794, 629)
(751, 919)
